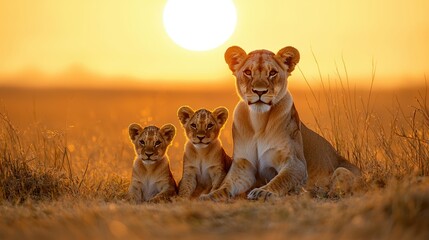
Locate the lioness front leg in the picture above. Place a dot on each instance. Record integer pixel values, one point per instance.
(290, 177)
(239, 179)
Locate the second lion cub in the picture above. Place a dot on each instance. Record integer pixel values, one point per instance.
(205, 162)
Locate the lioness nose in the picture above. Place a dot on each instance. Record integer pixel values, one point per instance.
(260, 93)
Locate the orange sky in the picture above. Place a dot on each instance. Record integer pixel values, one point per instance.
(127, 38)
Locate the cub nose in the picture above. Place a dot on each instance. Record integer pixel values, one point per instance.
(149, 154)
(200, 137)
(259, 92)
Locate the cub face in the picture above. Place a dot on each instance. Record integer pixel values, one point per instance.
(150, 143)
(261, 75)
(202, 126)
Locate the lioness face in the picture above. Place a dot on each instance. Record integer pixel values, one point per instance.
(261, 75)
(202, 126)
(150, 143)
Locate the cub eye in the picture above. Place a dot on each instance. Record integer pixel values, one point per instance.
(248, 72)
(210, 126)
(157, 143)
(193, 125)
(273, 73)
(142, 142)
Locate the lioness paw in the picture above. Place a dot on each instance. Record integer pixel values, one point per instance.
(259, 194)
(343, 182)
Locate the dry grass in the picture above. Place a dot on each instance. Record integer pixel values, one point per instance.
(41, 169)
(65, 164)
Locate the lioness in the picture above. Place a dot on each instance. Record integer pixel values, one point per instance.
(274, 152)
(151, 180)
(205, 162)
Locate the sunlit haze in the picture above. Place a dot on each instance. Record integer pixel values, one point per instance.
(199, 25)
(67, 41)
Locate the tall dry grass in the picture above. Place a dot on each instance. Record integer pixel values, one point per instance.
(35, 164)
(384, 147)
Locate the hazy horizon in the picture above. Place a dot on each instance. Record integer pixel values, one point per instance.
(80, 77)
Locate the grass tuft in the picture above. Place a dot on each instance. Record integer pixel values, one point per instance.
(24, 175)
(41, 169)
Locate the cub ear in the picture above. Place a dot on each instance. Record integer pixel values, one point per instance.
(234, 57)
(134, 130)
(168, 131)
(185, 113)
(289, 56)
(221, 115)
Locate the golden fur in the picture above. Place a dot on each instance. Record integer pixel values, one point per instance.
(205, 162)
(274, 152)
(152, 180)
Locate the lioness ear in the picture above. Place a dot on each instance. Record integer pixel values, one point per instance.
(185, 113)
(289, 56)
(134, 130)
(168, 131)
(234, 57)
(221, 115)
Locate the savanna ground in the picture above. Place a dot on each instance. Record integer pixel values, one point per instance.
(65, 165)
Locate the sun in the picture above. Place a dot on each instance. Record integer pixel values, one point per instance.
(200, 25)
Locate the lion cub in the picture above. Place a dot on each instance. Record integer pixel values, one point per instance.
(152, 180)
(205, 162)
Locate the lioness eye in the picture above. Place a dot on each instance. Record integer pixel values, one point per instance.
(194, 126)
(141, 142)
(209, 126)
(273, 73)
(247, 72)
(157, 143)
